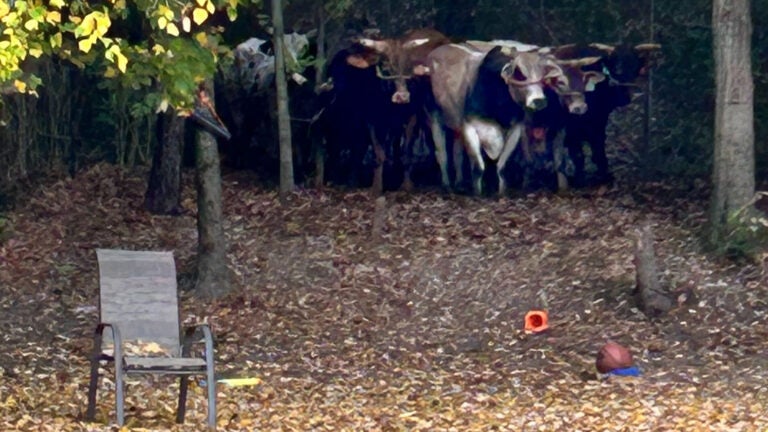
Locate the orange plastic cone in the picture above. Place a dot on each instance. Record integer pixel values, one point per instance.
(536, 321)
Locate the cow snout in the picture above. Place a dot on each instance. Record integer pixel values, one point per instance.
(578, 108)
(401, 97)
(536, 103)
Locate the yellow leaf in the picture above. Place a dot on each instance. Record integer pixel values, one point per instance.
(86, 27)
(201, 38)
(102, 24)
(55, 40)
(186, 24)
(210, 7)
(53, 17)
(57, 3)
(162, 22)
(85, 45)
(4, 8)
(21, 86)
(199, 16)
(31, 25)
(110, 72)
(158, 49)
(35, 52)
(201, 3)
(172, 29)
(166, 12)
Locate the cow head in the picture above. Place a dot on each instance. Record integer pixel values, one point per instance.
(579, 81)
(401, 59)
(625, 64)
(526, 73)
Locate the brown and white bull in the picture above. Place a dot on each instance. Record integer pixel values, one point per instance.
(484, 97)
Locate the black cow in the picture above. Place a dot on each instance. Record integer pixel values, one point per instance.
(246, 99)
(375, 94)
(623, 66)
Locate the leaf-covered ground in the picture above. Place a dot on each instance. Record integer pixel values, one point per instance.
(418, 329)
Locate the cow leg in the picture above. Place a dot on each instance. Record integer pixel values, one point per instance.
(438, 136)
(558, 157)
(510, 143)
(576, 153)
(458, 160)
(406, 151)
(381, 157)
(599, 158)
(473, 147)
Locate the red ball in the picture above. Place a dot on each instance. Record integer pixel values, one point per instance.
(613, 356)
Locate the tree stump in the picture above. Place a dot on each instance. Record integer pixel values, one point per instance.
(651, 298)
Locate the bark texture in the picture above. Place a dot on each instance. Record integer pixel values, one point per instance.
(650, 296)
(283, 113)
(734, 158)
(164, 188)
(213, 277)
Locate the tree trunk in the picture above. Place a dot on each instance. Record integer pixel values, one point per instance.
(283, 114)
(212, 272)
(650, 296)
(734, 157)
(164, 189)
(317, 139)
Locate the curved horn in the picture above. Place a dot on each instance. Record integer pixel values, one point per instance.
(584, 61)
(415, 42)
(603, 47)
(376, 45)
(648, 47)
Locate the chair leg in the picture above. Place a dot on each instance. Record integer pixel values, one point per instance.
(119, 393)
(182, 409)
(211, 398)
(92, 387)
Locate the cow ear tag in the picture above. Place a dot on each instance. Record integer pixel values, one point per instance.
(590, 85)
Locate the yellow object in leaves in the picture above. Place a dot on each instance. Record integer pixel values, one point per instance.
(199, 16)
(186, 24)
(201, 3)
(57, 3)
(235, 382)
(162, 22)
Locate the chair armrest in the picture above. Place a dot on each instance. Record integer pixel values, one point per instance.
(189, 332)
(117, 339)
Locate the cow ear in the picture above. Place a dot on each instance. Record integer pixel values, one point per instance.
(358, 61)
(593, 78)
(415, 43)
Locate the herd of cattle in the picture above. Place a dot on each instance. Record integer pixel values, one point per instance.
(421, 100)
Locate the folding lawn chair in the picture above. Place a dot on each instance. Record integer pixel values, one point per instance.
(138, 303)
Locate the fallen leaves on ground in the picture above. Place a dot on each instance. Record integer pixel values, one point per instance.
(418, 328)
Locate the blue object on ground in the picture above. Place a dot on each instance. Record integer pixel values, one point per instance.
(630, 371)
